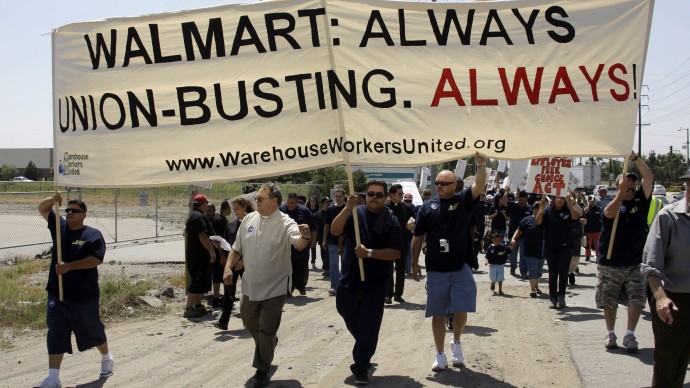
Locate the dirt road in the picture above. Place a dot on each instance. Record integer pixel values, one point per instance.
(512, 341)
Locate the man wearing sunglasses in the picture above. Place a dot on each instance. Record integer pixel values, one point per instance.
(445, 224)
(83, 249)
(360, 303)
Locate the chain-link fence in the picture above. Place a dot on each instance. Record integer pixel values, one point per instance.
(122, 215)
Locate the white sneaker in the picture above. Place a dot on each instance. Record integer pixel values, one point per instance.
(440, 364)
(458, 357)
(107, 368)
(50, 383)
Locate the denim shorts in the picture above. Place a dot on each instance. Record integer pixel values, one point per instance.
(450, 292)
(534, 267)
(496, 273)
(79, 317)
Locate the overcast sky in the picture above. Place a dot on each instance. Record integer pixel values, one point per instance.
(25, 69)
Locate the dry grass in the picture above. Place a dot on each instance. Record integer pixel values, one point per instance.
(23, 297)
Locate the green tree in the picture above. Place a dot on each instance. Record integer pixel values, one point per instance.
(8, 172)
(359, 180)
(327, 177)
(31, 171)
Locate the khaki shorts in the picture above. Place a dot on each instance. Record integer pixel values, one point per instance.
(624, 285)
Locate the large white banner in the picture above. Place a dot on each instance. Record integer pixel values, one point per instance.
(255, 90)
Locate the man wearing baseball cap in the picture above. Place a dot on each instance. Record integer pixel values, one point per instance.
(619, 277)
(199, 256)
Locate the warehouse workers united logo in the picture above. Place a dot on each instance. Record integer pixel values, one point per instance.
(71, 164)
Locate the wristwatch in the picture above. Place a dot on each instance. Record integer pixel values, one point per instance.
(370, 252)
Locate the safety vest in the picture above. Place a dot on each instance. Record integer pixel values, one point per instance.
(654, 208)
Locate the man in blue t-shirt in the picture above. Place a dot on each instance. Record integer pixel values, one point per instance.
(300, 259)
(445, 224)
(82, 248)
(360, 302)
(619, 278)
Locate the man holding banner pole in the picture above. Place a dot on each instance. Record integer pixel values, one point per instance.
(360, 301)
(619, 278)
(445, 224)
(83, 249)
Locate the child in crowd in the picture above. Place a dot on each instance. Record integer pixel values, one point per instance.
(496, 256)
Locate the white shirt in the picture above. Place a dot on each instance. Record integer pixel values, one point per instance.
(264, 243)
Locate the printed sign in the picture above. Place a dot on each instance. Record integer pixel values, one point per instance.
(247, 91)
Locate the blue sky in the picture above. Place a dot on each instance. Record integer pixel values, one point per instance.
(25, 71)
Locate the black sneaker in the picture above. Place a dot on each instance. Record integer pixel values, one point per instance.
(561, 302)
(202, 309)
(571, 279)
(191, 312)
(261, 379)
(387, 300)
(361, 377)
(399, 299)
(217, 302)
(553, 303)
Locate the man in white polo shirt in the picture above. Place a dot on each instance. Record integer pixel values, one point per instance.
(263, 243)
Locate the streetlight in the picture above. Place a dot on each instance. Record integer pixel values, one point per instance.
(687, 144)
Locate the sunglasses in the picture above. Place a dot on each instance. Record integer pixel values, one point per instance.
(443, 184)
(378, 194)
(77, 211)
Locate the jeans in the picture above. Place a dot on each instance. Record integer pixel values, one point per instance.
(334, 264)
(514, 257)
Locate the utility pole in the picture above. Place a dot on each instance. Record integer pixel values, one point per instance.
(686, 145)
(639, 123)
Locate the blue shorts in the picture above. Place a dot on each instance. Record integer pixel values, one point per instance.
(534, 267)
(496, 273)
(82, 318)
(450, 292)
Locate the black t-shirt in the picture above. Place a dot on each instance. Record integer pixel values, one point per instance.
(480, 211)
(593, 217)
(331, 213)
(197, 223)
(319, 219)
(497, 254)
(447, 219)
(533, 238)
(218, 221)
(376, 271)
(301, 215)
(557, 227)
(516, 214)
(402, 212)
(631, 233)
(80, 284)
(499, 222)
